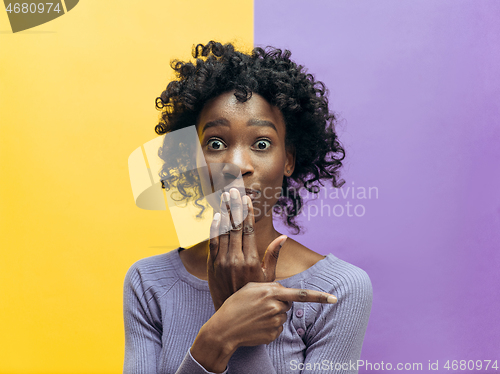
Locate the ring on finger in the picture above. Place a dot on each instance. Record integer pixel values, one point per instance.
(247, 229)
(237, 227)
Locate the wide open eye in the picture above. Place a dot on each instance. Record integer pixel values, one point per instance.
(262, 144)
(215, 144)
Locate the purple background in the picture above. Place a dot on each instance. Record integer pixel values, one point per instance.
(417, 87)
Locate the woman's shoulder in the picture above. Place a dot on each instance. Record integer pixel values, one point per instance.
(340, 277)
(158, 270)
(349, 283)
(327, 274)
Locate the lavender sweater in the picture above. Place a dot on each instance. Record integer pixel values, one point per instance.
(165, 306)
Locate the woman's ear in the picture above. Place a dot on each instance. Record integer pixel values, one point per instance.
(290, 161)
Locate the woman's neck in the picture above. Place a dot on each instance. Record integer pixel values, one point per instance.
(265, 233)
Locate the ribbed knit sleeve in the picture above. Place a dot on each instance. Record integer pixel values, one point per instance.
(143, 329)
(190, 365)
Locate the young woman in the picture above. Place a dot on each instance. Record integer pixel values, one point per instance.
(249, 300)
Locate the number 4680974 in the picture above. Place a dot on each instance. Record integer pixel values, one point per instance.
(471, 365)
(32, 7)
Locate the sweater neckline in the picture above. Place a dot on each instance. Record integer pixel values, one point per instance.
(287, 282)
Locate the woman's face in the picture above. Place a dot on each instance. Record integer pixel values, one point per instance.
(246, 138)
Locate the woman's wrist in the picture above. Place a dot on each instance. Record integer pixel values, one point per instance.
(212, 347)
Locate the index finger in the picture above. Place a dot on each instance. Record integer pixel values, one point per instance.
(304, 296)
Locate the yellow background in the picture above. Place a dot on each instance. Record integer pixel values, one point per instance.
(76, 98)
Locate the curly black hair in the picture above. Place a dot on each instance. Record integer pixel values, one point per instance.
(310, 126)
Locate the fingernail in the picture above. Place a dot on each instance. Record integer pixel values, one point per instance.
(331, 299)
(244, 200)
(283, 242)
(225, 197)
(217, 217)
(234, 193)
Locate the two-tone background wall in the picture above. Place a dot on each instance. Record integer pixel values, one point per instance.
(416, 86)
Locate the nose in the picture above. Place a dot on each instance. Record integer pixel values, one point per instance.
(238, 159)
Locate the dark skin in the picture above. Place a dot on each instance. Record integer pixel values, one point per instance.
(241, 265)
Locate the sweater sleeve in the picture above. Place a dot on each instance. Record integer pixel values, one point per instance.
(335, 338)
(190, 365)
(142, 334)
(143, 331)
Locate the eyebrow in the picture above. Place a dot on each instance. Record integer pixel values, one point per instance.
(225, 122)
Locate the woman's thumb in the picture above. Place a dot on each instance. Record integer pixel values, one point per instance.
(271, 258)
